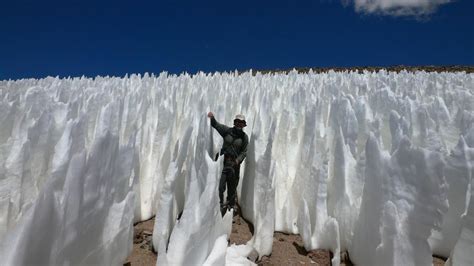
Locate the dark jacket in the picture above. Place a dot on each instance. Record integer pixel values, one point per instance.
(235, 140)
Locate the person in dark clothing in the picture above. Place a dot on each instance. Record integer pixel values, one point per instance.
(234, 150)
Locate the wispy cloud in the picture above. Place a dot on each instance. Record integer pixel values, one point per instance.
(415, 8)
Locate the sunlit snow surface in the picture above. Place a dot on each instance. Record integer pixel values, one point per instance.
(376, 164)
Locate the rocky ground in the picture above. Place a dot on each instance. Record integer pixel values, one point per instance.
(287, 249)
(142, 253)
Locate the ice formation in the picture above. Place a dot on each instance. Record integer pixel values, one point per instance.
(376, 164)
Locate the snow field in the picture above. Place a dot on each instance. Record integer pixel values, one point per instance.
(378, 164)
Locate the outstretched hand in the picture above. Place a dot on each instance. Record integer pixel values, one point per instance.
(210, 115)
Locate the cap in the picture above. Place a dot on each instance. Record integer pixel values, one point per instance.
(240, 117)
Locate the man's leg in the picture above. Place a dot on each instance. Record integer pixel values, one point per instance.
(222, 184)
(231, 192)
(232, 183)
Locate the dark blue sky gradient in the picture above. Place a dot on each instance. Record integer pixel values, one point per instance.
(75, 38)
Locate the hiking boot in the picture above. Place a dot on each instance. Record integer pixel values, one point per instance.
(235, 207)
(223, 208)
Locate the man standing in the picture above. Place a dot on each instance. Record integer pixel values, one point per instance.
(234, 150)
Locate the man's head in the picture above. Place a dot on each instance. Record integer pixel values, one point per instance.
(239, 121)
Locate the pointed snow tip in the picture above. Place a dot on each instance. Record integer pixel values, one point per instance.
(461, 141)
(372, 145)
(390, 212)
(394, 114)
(371, 138)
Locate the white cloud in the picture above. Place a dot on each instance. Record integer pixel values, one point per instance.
(397, 7)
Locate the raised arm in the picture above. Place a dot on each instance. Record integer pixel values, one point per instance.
(222, 129)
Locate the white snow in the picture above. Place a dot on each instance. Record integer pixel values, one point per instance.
(376, 164)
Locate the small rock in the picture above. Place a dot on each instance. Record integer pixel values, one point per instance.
(147, 233)
(253, 256)
(438, 261)
(345, 256)
(320, 256)
(281, 239)
(137, 240)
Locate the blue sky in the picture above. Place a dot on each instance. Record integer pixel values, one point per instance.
(75, 38)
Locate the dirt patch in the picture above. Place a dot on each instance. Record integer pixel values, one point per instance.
(287, 249)
(438, 261)
(242, 231)
(142, 253)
